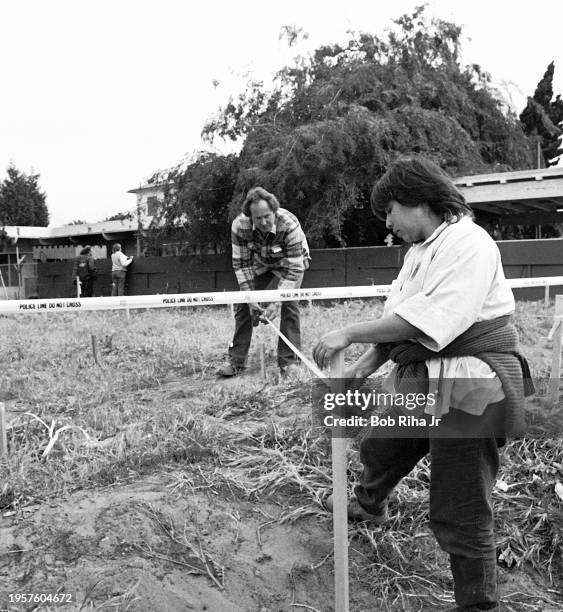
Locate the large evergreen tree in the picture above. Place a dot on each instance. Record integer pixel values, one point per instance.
(543, 118)
(329, 125)
(21, 200)
(195, 209)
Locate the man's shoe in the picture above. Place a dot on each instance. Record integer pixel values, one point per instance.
(230, 370)
(357, 513)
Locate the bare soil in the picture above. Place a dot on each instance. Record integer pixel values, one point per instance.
(182, 539)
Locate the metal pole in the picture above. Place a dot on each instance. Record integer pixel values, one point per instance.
(18, 270)
(340, 510)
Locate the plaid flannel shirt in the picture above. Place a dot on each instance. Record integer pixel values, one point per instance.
(283, 251)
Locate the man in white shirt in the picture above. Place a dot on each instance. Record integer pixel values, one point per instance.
(119, 263)
(446, 325)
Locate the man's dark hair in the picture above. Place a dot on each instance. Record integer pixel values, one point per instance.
(116, 247)
(255, 195)
(413, 181)
(86, 250)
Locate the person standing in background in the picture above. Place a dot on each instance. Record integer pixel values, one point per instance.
(84, 270)
(119, 263)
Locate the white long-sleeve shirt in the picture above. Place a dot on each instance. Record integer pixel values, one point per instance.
(447, 283)
(120, 261)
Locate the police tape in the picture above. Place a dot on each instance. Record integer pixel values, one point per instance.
(221, 298)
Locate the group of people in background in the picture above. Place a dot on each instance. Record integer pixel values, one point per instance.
(84, 272)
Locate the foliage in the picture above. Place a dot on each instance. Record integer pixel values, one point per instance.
(4, 238)
(195, 207)
(21, 200)
(543, 118)
(121, 216)
(333, 121)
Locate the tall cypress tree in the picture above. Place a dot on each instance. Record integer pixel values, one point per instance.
(543, 118)
(21, 200)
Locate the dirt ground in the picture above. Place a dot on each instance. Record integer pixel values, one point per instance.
(178, 541)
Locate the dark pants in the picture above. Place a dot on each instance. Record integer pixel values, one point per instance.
(463, 473)
(87, 287)
(289, 326)
(118, 282)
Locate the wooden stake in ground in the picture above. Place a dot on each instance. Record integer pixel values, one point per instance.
(262, 351)
(78, 290)
(3, 434)
(339, 491)
(557, 334)
(95, 350)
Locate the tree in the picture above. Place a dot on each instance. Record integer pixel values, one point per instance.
(333, 121)
(543, 118)
(21, 200)
(122, 216)
(195, 210)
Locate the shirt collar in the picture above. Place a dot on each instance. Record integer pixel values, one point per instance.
(441, 228)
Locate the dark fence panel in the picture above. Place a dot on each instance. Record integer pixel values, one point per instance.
(374, 265)
(329, 268)
(532, 259)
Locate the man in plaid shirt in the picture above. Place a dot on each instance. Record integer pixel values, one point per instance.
(270, 251)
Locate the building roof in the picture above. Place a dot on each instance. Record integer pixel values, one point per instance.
(108, 229)
(526, 196)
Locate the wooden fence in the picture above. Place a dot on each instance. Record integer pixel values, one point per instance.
(329, 268)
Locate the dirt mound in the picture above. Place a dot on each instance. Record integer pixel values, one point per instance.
(146, 546)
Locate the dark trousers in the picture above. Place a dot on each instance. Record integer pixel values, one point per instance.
(87, 287)
(118, 282)
(463, 473)
(290, 326)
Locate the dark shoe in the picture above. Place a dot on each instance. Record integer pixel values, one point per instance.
(357, 513)
(230, 370)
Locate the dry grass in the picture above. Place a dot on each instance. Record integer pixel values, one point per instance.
(255, 442)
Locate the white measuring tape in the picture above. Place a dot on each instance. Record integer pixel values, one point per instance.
(316, 371)
(219, 298)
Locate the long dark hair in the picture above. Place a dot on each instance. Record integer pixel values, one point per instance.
(413, 181)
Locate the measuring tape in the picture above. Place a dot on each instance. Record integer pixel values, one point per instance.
(316, 371)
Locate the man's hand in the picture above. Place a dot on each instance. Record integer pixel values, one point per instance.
(272, 311)
(255, 312)
(255, 308)
(328, 346)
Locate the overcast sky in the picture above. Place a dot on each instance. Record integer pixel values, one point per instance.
(97, 95)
